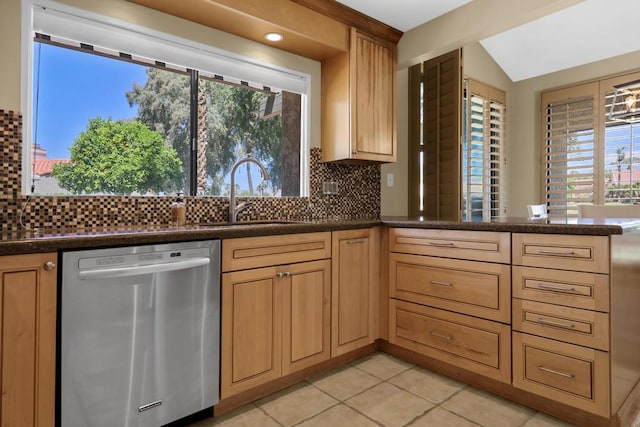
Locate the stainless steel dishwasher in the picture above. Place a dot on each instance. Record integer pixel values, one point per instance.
(139, 334)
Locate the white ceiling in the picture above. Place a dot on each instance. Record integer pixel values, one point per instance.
(589, 31)
(404, 14)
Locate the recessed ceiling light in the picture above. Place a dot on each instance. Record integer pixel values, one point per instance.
(273, 37)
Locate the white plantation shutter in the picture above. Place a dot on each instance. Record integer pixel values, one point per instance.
(621, 157)
(569, 145)
(483, 186)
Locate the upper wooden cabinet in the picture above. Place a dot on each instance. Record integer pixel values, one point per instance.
(28, 339)
(359, 102)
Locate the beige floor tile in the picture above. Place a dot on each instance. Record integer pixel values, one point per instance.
(246, 416)
(250, 418)
(389, 405)
(345, 383)
(382, 365)
(427, 384)
(439, 417)
(339, 416)
(543, 420)
(296, 404)
(487, 409)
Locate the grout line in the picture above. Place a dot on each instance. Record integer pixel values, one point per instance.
(268, 415)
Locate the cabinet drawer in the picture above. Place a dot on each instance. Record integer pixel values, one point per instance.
(254, 252)
(574, 289)
(468, 287)
(567, 252)
(487, 246)
(573, 375)
(474, 344)
(574, 325)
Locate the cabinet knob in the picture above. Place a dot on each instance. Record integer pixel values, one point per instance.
(354, 152)
(285, 274)
(49, 265)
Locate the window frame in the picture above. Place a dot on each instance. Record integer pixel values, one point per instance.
(199, 52)
(597, 90)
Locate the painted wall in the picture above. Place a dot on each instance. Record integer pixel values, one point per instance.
(464, 27)
(10, 33)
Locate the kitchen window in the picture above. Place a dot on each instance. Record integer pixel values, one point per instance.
(121, 109)
(588, 157)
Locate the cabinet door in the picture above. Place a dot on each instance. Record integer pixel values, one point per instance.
(373, 99)
(251, 329)
(306, 324)
(351, 291)
(28, 339)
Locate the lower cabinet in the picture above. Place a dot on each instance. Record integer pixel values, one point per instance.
(450, 297)
(354, 295)
(275, 320)
(478, 345)
(28, 339)
(574, 375)
(563, 345)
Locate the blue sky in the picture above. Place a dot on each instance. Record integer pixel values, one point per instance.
(75, 87)
(63, 114)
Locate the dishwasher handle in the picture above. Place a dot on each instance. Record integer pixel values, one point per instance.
(108, 273)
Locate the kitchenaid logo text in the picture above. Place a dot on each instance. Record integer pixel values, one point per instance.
(110, 261)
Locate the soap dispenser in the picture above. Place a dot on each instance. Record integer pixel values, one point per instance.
(178, 211)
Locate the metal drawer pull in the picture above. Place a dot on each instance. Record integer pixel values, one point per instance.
(448, 245)
(544, 252)
(354, 242)
(553, 371)
(435, 282)
(285, 274)
(444, 337)
(558, 324)
(555, 288)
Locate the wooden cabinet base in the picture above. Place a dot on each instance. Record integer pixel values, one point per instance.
(628, 414)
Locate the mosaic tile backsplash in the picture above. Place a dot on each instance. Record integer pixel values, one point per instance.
(358, 197)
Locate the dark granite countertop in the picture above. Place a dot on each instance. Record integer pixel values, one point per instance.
(582, 226)
(60, 239)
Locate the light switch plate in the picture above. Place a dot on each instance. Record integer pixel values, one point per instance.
(390, 180)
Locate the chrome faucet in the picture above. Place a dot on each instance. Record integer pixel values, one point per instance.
(233, 209)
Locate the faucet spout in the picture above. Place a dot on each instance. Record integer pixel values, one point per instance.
(233, 209)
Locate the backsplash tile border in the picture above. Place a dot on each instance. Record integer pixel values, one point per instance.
(358, 197)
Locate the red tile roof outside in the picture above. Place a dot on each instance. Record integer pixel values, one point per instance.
(43, 167)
